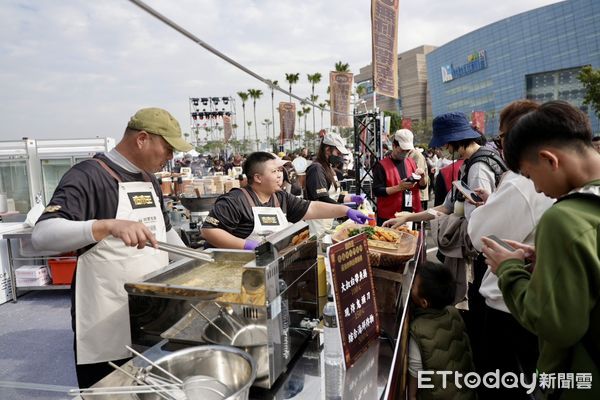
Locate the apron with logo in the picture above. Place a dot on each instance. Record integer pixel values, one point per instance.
(267, 220)
(319, 226)
(101, 309)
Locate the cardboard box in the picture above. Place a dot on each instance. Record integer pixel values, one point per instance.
(31, 272)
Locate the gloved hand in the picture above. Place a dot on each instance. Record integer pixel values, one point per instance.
(357, 216)
(358, 198)
(250, 244)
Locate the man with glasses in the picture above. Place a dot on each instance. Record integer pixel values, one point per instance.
(107, 209)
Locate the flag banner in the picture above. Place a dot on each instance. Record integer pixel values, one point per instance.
(407, 123)
(227, 128)
(478, 121)
(340, 84)
(384, 29)
(287, 120)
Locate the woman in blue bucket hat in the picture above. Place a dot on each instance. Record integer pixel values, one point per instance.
(482, 169)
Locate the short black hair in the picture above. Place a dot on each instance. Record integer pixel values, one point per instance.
(466, 143)
(254, 164)
(437, 285)
(555, 123)
(596, 139)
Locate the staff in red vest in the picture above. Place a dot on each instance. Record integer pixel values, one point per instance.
(392, 180)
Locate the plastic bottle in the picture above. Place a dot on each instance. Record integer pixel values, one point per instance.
(334, 363)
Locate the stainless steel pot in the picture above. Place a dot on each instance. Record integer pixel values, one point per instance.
(251, 338)
(228, 365)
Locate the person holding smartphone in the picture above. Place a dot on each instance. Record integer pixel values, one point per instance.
(397, 179)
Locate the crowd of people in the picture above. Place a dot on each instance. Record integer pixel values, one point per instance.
(517, 285)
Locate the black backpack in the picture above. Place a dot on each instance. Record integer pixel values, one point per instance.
(486, 155)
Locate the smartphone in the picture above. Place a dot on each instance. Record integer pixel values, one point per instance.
(413, 178)
(501, 242)
(467, 191)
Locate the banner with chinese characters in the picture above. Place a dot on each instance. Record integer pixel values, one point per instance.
(384, 30)
(340, 84)
(227, 129)
(478, 121)
(354, 292)
(287, 120)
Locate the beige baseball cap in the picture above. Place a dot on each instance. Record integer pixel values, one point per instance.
(159, 122)
(404, 137)
(334, 139)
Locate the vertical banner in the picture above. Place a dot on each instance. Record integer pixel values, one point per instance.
(407, 123)
(340, 84)
(287, 120)
(227, 129)
(478, 121)
(384, 29)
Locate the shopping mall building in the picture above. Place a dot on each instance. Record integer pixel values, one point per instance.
(535, 55)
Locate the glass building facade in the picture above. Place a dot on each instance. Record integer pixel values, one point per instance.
(535, 55)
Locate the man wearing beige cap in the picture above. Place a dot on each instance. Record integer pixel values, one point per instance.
(107, 208)
(397, 179)
(406, 139)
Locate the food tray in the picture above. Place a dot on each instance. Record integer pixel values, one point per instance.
(384, 253)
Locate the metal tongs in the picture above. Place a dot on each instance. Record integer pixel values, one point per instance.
(184, 251)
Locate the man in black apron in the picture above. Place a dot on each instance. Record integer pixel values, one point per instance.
(241, 218)
(107, 208)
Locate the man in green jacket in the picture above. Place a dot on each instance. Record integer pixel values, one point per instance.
(557, 296)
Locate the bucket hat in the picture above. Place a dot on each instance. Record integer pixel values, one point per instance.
(451, 127)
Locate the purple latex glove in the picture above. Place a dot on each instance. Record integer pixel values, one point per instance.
(250, 244)
(358, 198)
(357, 216)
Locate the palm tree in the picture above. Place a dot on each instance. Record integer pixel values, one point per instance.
(342, 67)
(300, 114)
(273, 85)
(292, 80)
(322, 105)
(314, 79)
(305, 111)
(361, 90)
(244, 97)
(255, 94)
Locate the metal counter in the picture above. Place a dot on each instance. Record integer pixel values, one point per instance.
(304, 380)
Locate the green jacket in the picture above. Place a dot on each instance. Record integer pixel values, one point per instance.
(444, 346)
(558, 302)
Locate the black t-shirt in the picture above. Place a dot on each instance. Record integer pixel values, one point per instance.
(233, 214)
(380, 178)
(317, 185)
(87, 191)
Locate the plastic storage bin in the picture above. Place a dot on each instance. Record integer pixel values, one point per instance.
(62, 270)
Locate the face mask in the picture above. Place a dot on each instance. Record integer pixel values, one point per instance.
(402, 156)
(335, 160)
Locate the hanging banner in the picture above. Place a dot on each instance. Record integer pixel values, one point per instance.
(384, 30)
(407, 123)
(227, 129)
(340, 84)
(287, 120)
(478, 121)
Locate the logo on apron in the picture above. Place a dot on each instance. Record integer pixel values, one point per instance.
(268, 219)
(141, 200)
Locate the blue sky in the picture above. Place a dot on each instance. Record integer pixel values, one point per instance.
(80, 68)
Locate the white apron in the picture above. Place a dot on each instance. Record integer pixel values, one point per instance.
(319, 226)
(267, 220)
(101, 308)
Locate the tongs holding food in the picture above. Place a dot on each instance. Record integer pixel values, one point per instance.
(184, 251)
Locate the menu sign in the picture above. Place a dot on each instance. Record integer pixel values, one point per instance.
(384, 26)
(354, 296)
(287, 120)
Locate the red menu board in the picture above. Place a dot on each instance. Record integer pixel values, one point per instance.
(354, 296)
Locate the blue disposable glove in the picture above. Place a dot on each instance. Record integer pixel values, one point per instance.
(250, 244)
(357, 216)
(358, 198)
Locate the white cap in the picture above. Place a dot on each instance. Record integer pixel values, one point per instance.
(404, 137)
(334, 139)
